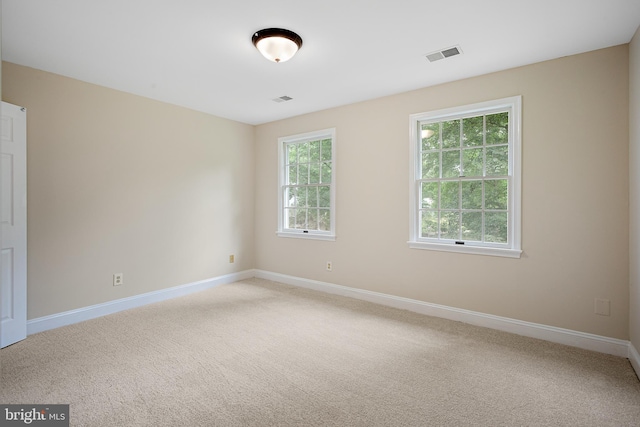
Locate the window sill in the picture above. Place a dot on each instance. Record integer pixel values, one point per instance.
(476, 250)
(310, 236)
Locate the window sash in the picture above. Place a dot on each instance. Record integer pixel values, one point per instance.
(461, 209)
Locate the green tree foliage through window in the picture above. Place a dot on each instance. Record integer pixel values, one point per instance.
(464, 182)
(307, 184)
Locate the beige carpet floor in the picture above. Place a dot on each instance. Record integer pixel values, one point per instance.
(259, 353)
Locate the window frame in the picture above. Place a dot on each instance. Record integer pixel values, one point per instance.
(282, 231)
(513, 247)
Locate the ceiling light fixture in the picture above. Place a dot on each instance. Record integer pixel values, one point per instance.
(277, 44)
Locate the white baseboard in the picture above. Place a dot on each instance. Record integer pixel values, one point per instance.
(535, 330)
(578, 339)
(74, 316)
(634, 358)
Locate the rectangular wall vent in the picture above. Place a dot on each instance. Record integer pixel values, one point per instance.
(444, 53)
(282, 99)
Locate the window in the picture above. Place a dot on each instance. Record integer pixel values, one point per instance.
(465, 180)
(306, 197)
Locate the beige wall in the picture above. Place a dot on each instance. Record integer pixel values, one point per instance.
(575, 199)
(634, 190)
(120, 183)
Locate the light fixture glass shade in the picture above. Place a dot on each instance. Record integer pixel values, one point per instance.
(276, 44)
(277, 49)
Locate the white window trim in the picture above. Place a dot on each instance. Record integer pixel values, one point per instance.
(514, 104)
(307, 234)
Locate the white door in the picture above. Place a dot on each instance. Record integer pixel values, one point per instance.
(13, 208)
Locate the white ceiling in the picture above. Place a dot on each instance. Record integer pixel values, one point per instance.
(198, 53)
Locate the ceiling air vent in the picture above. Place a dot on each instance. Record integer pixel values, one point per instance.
(282, 99)
(445, 53)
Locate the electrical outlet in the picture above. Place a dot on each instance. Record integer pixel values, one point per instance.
(232, 259)
(329, 266)
(117, 279)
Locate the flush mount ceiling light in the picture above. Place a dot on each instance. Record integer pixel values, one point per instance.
(277, 44)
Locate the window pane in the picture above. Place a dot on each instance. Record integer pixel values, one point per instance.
(292, 175)
(430, 135)
(314, 173)
(450, 225)
(325, 176)
(312, 220)
(472, 226)
(471, 194)
(451, 134)
(449, 195)
(295, 192)
(495, 194)
(430, 165)
(429, 195)
(472, 131)
(498, 128)
(292, 156)
(294, 200)
(429, 224)
(302, 197)
(324, 196)
(326, 150)
(312, 197)
(301, 218)
(303, 174)
(314, 151)
(289, 196)
(472, 162)
(497, 160)
(290, 215)
(303, 152)
(324, 220)
(495, 227)
(451, 164)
